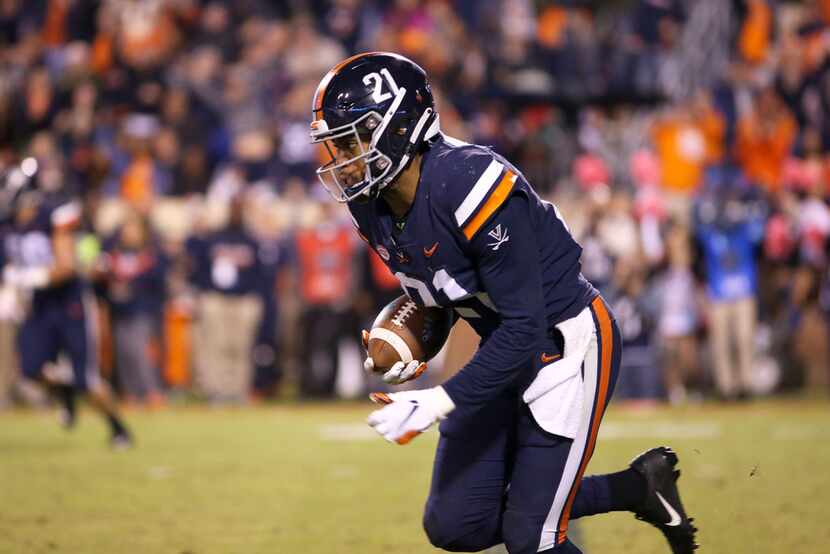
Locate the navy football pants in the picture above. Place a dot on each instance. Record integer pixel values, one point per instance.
(499, 478)
(67, 327)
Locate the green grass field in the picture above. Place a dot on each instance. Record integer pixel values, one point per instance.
(313, 479)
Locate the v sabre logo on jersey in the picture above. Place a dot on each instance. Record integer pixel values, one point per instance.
(499, 236)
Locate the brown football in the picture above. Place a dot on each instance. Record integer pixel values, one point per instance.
(403, 331)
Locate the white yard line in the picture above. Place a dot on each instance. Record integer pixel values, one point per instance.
(614, 430)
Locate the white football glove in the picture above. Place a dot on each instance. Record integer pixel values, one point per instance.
(399, 373)
(408, 414)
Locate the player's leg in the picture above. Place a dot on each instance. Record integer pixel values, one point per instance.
(80, 340)
(549, 468)
(648, 486)
(466, 499)
(540, 467)
(38, 346)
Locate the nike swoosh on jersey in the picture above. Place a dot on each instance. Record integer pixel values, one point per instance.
(675, 517)
(428, 252)
(548, 358)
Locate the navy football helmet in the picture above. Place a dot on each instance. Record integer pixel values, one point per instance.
(373, 112)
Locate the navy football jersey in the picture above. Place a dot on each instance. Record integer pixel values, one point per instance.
(30, 245)
(479, 239)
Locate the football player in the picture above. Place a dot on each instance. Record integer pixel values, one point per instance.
(460, 227)
(39, 260)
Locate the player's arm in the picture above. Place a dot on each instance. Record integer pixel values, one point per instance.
(64, 221)
(511, 275)
(63, 246)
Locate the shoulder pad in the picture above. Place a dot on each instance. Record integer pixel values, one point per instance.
(478, 183)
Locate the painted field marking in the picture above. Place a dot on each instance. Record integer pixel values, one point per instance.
(614, 430)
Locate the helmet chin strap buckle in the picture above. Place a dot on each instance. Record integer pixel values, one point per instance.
(382, 163)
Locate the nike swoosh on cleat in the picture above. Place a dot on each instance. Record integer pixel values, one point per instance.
(675, 517)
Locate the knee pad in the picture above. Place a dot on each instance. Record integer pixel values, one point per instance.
(448, 529)
(521, 535)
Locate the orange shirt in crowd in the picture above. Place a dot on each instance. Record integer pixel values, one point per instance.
(681, 149)
(754, 39)
(137, 182)
(686, 142)
(713, 126)
(54, 25)
(326, 255)
(550, 31)
(762, 147)
(147, 34)
(381, 275)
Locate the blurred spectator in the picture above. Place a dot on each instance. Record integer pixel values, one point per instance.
(174, 106)
(135, 289)
(228, 273)
(326, 257)
(309, 54)
(765, 135)
(729, 226)
(275, 257)
(597, 258)
(756, 31)
(617, 228)
(635, 308)
(687, 138)
(382, 287)
(678, 317)
(10, 315)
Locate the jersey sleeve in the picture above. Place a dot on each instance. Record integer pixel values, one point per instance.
(506, 256)
(479, 182)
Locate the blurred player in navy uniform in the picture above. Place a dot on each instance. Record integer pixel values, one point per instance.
(460, 227)
(39, 260)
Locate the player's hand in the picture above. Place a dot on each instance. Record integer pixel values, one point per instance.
(399, 373)
(405, 415)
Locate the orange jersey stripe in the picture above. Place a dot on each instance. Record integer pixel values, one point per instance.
(321, 88)
(497, 198)
(606, 340)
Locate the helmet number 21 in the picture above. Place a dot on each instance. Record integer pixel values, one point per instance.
(376, 80)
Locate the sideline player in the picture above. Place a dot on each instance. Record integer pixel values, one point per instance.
(460, 227)
(39, 260)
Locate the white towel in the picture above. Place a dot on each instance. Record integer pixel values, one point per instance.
(557, 394)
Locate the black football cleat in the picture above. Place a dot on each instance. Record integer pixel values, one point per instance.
(67, 418)
(121, 440)
(662, 506)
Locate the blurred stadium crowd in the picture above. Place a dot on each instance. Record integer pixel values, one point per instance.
(685, 142)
